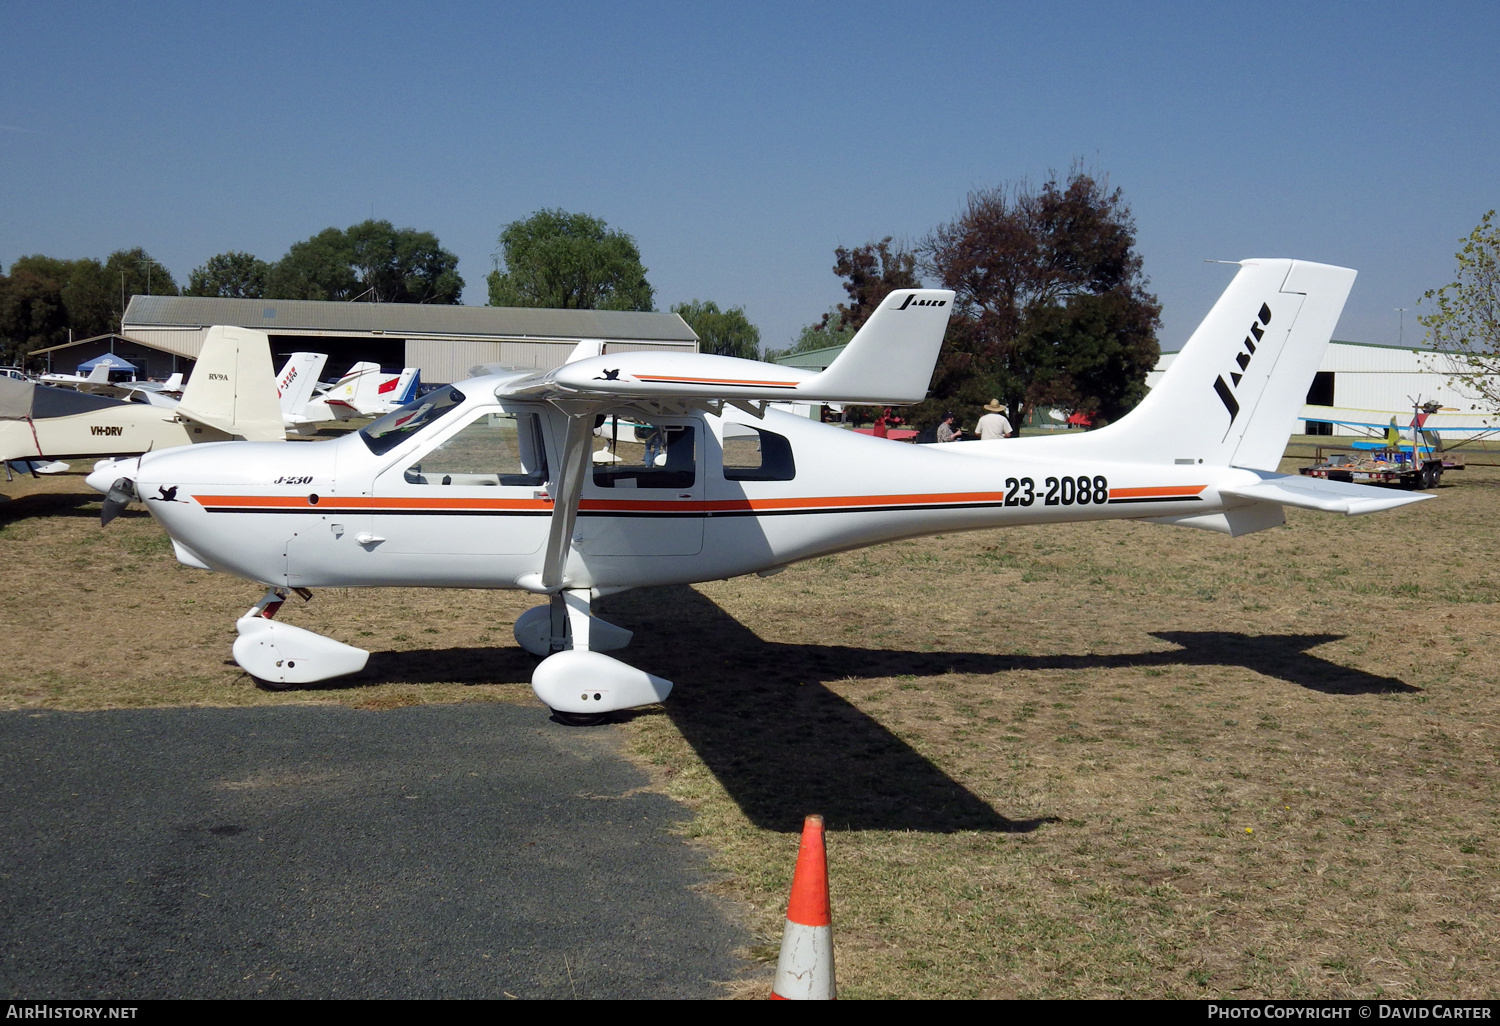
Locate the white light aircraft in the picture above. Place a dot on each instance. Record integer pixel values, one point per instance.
(102, 376)
(490, 483)
(230, 395)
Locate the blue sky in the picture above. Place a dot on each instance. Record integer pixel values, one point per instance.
(740, 144)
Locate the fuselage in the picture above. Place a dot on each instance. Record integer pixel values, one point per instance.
(113, 429)
(467, 500)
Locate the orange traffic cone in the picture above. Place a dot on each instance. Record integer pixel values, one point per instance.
(805, 970)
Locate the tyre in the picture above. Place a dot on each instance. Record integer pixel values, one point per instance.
(572, 719)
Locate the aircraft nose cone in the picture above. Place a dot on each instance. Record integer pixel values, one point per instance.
(104, 475)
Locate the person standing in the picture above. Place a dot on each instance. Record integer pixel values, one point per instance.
(994, 423)
(948, 429)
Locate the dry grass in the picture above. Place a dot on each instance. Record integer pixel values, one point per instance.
(108, 618)
(1082, 760)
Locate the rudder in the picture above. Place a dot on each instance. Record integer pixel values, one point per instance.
(1232, 395)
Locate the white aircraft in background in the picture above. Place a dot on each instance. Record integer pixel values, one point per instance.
(109, 380)
(231, 394)
(364, 391)
(490, 483)
(102, 376)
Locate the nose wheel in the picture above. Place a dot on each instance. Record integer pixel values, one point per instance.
(572, 719)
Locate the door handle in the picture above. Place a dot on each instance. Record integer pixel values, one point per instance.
(366, 538)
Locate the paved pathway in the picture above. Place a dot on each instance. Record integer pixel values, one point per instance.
(432, 851)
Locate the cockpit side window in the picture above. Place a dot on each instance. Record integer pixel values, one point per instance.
(752, 454)
(396, 427)
(646, 455)
(494, 449)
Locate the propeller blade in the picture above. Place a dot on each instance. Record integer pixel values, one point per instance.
(121, 494)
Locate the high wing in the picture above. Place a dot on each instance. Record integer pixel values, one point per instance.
(888, 362)
(1446, 421)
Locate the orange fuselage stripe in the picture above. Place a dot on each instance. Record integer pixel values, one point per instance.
(342, 502)
(1146, 493)
(715, 381)
(825, 502)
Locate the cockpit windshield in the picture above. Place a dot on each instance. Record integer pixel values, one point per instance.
(396, 427)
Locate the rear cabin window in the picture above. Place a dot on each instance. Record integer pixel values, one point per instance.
(496, 449)
(646, 456)
(396, 427)
(751, 454)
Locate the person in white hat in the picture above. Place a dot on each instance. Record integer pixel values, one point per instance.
(994, 423)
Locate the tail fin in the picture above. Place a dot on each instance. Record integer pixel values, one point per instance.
(1232, 396)
(232, 388)
(585, 349)
(297, 379)
(406, 390)
(378, 391)
(346, 389)
(174, 383)
(890, 358)
(99, 373)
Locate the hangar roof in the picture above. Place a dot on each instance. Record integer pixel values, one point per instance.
(403, 320)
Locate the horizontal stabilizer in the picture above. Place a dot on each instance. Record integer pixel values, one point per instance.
(1328, 496)
(889, 360)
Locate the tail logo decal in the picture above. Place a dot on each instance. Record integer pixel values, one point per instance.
(921, 302)
(1225, 390)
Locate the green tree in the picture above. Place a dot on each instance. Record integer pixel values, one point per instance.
(231, 275)
(721, 332)
(1051, 303)
(373, 261)
(43, 298)
(33, 314)
(1463, 318)
(871, 272)
(403, 265)
(569, 261)
(95, 298)
(316, 268)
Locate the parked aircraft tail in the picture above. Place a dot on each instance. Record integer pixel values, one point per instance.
(346, 391)
(232, 387)
(297, 379)
(407, 385)
(1232, 396)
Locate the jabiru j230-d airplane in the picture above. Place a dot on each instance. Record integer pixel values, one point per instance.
(494, 482)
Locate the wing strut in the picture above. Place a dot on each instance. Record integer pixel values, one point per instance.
(566, 491)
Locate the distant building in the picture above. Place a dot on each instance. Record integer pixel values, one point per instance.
(1362, 383)
(162, 334)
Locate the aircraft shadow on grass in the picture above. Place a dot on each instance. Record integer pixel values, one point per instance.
(60, 504)
(759, 716)
(784, 745)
